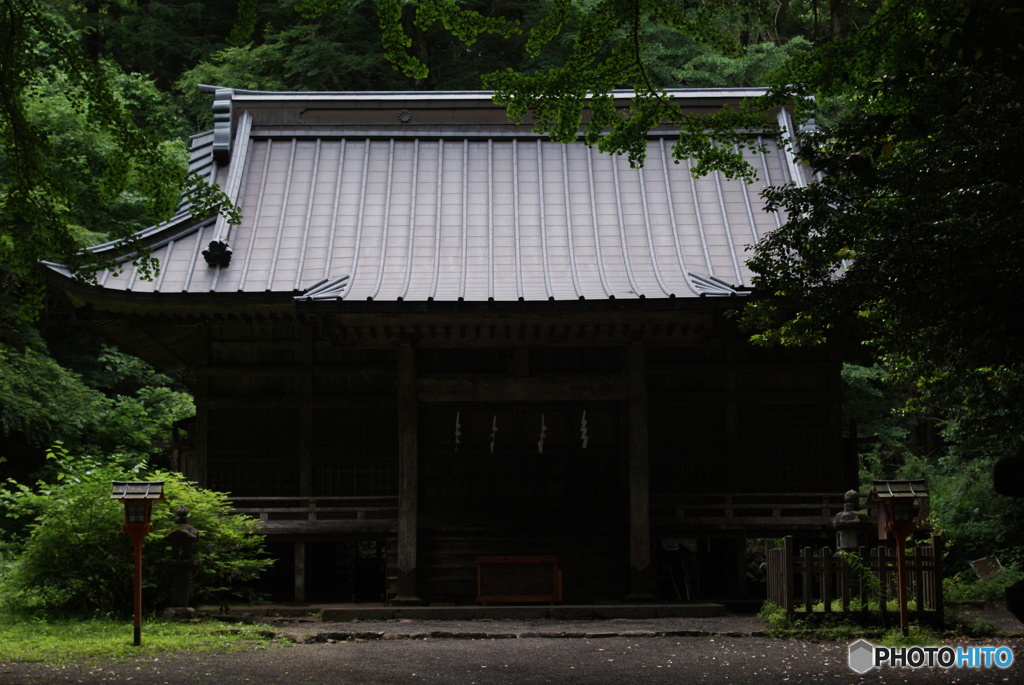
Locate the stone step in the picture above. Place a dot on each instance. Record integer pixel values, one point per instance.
(339, 613)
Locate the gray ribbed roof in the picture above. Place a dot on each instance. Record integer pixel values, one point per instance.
(461, 212)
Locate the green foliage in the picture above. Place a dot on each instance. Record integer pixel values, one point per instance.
(773, 616)
(161, 39)
(908, 238)
(466, 25)
(907, 243)
(976, 522)
(871, 401)
(895, 443)
(46, 402)
(698, 67)
(68, 141)
(246, 67)
(245, 24)
(70, 562)
(74, 559)
(86, 151)
(968, 586)
(577, 53)
(43, 400)
(611, 49)
(862, 571)
(834, 626)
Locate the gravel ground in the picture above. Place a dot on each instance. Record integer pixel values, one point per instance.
(611, 660)
(728, 649)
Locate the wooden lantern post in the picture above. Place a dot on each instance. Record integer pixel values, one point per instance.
(898, 503)
(138, 498)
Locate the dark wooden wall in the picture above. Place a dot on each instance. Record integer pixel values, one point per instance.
(730, 418)
(523, 441)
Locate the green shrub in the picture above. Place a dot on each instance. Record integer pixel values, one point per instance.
(74, 559)
(967, 586)
(774, 617)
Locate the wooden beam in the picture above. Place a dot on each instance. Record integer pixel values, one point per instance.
(554, 388)
(287, 370)
(310, 529)
(727, 395)
(282, 401)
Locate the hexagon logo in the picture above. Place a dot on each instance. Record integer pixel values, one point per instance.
(862, 656)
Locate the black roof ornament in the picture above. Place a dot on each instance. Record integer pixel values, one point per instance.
(222, 125)
(218, 254)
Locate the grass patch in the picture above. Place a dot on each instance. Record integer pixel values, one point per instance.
(836, 627)
(61, 642)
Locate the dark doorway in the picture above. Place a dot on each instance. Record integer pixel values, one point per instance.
(277, 583)
(523, 479)
(345, 571)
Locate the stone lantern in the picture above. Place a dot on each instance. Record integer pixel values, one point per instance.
(849, 523)
(181, 537)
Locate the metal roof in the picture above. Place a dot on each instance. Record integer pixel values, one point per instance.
(897, 489)
(423, 207)
(137, 490)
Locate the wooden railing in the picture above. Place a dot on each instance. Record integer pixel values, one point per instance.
(312, 514)
(747, 511)
(800, 580)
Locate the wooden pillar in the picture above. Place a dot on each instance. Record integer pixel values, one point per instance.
(641, 572)
(305, 446)
(198, 469)
(300, 572)
(305, 360)
(845, 451)
(730, 475)
(408, 476)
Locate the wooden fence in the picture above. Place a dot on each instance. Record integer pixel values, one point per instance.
(800, 579)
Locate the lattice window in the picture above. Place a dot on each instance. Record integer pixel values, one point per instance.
(253, 451)
(351, 478)
(785, 445)
(689, 449)
(355, 452)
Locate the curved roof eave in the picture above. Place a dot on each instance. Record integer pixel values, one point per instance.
(205, 305)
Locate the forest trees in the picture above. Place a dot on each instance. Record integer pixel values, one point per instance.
(911, 243)
(911, 239)
(80, 150)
